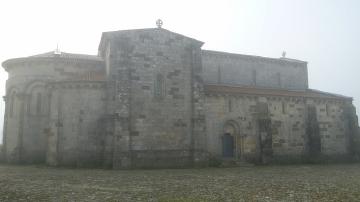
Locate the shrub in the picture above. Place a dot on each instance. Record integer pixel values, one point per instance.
(214, 162)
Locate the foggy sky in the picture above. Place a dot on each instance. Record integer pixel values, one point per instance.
(326, 33)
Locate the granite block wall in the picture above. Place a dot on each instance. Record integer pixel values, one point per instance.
(288, 122)
(28, 100)
(75, 131)
(155, 74)
(237, 69)
(1, 154)
(143, 103)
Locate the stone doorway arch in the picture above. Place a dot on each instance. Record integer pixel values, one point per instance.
(230, 138)
(228, 145)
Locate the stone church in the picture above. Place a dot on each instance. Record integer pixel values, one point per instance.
(154, 98)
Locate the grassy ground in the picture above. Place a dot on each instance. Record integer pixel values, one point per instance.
(263, 183)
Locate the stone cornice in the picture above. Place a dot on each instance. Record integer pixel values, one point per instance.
(78, 84)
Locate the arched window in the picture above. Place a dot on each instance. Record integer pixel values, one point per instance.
(38, 103)
(159, 86)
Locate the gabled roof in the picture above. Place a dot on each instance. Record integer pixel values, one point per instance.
(247, 90)
(111, 34)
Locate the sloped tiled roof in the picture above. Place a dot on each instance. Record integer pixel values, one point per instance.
(73, 57)
(247, 90)
(251, 57)
(52, 54)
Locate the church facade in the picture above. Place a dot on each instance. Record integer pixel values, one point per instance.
(154, 98)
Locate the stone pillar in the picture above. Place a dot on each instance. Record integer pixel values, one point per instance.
(3, 152)
(21, 97)
(108, 134)
(55, 130)
(312, 132)
(120, 74)
(352, 132)
(264, 132)
(198, 140)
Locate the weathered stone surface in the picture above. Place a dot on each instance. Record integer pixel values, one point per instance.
(291, 135)
(153, 98)
(1, 153)
(237, 69)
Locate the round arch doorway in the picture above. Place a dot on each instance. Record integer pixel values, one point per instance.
(229, 140)
(228, 145)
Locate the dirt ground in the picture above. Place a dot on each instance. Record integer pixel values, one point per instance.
(257, 183)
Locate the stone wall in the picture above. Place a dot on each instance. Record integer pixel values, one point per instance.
(75, 133)
(292, 135)
(144, 102)
(155, 74)
(236, 69)
(28, 100)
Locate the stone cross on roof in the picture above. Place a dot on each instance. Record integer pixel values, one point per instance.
(57, 50)
(159, 23)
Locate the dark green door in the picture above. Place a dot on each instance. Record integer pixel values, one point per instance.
(228, 145)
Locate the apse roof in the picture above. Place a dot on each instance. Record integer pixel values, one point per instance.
(55, 54)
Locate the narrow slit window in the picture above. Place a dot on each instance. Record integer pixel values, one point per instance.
(254, 77)
(327, 110)
(38, 103)
(283, 106)
(278, 77)
(159, 86)
(29, 104)
(219, 75)
(230, 105)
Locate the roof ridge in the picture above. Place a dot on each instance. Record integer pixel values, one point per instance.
(253, 56)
